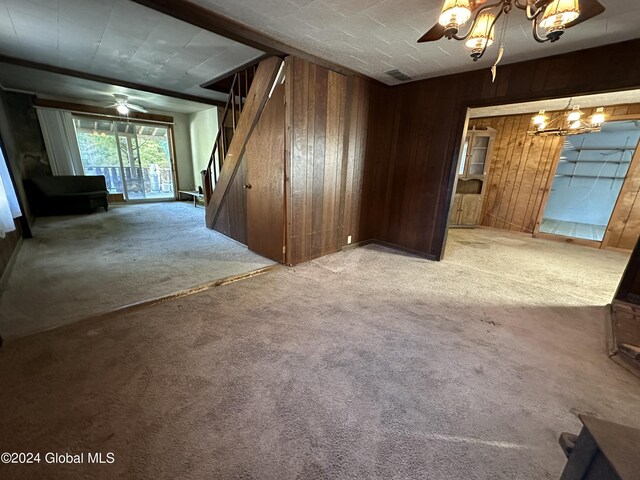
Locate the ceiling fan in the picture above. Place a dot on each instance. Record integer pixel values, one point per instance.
(553, 17)
(123, 106)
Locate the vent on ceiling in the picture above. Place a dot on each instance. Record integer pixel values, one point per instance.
(398, 75)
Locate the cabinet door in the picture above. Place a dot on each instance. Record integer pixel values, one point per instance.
(479, 154)
(454, 215)
(471, 205)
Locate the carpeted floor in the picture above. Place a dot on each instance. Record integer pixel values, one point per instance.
(364, 364)
(79, 266)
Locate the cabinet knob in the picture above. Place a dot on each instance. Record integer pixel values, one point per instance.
(246, 186)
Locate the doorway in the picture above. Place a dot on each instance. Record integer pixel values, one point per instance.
(588, 180)
(134, 157)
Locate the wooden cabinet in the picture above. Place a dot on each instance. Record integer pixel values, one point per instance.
(466, 210)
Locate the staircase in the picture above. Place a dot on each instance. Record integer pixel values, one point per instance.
(227, 126)
(243, 108)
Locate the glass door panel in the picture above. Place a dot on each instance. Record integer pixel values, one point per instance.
(463, 157)
(478, 155)
(135, 158)
(130, 154)
(155, 157)
(99, 151)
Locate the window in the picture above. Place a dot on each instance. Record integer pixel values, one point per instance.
(135, 158)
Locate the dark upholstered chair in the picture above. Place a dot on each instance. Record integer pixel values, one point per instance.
(66, 195)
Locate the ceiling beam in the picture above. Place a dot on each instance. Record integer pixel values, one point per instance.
(202, 17)
(111, 81)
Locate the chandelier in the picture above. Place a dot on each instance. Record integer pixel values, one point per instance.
(570, 122)
(549, 19)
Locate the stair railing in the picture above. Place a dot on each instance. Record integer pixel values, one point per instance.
(232, 110)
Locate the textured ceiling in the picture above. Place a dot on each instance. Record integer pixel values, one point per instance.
(54, 86)
(375, 36)
(119, 39)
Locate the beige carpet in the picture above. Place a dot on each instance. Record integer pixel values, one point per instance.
(364, 364)
(79, 266)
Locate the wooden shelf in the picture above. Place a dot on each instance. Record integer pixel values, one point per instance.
(590, 176)
(594, 161)
(617, 149)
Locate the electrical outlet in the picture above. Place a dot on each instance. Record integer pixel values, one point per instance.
(349, 240)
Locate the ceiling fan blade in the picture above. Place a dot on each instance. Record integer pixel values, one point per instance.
(588, 9)
(136, 108)
(436, 33)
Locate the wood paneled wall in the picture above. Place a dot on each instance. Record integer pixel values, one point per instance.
(359, 93)
(327, 123)
(416, 134)
(520, 173)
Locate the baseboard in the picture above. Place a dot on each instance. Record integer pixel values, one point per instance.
(355, 245)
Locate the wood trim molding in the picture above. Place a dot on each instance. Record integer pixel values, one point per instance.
(111, 81)
(574, 240)
(202, 17)
(106, 112)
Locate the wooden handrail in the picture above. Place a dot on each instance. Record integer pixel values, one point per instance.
(233, 106)
(221, 142)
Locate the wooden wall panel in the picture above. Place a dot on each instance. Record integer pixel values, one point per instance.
(519, 170)
(232, 220)
(328, 128)
(359, 96)
(410, 169)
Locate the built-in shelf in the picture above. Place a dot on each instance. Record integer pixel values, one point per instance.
(602, 149)
(594, 161)
(590, 176)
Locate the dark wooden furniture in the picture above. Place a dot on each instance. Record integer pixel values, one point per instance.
(66, 194)
(602, 451)
(624, 345)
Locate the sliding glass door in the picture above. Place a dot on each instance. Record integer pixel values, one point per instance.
(135, 158)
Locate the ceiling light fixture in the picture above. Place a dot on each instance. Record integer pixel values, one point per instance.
(123, 106)
(569, 122)
(549, 19)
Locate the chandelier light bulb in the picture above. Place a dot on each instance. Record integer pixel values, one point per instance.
(574, 115)
(540, 119)
(559, 13)
(575, 125)
(122, 109)
(483, 33)
(455, 13)
(597, 118)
